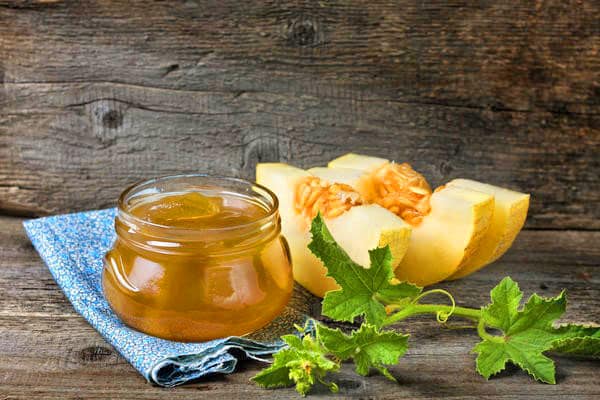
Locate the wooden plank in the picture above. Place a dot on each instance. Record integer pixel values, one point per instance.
(73, 146)
(67, 359)
(495, 91)
(497, 55)
(48, 351)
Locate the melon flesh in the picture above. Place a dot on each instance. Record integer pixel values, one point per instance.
(510, 212)
(357, 161)
(358, 230)
(348, 176)
(366, 227)
(447, 237)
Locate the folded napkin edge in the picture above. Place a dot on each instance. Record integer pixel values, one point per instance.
(203, 363)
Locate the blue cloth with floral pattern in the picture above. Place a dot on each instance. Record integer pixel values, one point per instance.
(73, 247)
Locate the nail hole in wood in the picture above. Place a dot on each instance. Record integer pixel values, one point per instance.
(170, 68)
(95, 354)
(349, 384)
(303, 31)
(445, 168)
(112, 119)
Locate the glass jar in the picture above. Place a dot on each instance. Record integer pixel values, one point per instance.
(198, 281)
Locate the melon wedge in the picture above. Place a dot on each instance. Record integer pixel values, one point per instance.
(366, 227)
(447, 237)
(448, 229)
(510, 212)
(357, 230)
(357, 161)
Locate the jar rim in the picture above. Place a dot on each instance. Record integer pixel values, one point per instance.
(272, 209)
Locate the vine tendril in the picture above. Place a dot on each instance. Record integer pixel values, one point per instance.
(441, 316)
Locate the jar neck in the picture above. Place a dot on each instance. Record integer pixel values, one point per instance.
(209, 241)
(215, 242)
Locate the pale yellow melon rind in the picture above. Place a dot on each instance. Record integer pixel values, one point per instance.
(447, 236)
(357, 161)
(514, 226)
(510, 213)
(398, 241)
(483, 211)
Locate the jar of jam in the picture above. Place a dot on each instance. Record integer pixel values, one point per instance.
(197, 258)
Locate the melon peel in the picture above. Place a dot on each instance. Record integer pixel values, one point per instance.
(510, 212)
(357, 161)
(447, 237)
(485, 228)
(357, 227)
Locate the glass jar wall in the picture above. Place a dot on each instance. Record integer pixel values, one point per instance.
(197, 258)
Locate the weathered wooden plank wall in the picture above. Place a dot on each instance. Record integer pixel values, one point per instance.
(96, 96)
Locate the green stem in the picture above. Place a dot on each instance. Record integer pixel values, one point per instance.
(416, 309)
(486, 336)
(332, 386)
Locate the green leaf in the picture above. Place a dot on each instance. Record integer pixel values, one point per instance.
(302, 364)
(278, 374)
(578, 340)
(293, 341)
(367, 346)
(526, 333)
(580, 346)
(506, 297)
(364, 291)
(572, 331)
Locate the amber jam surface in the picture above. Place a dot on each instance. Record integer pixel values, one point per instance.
(197, 258)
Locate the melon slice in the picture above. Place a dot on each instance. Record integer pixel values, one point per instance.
(447, 237)
(357, 161)
(448, 225)
(356, 227)
(510, 212)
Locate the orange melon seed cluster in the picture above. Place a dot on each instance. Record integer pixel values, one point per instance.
(402, 190)
(314, 195)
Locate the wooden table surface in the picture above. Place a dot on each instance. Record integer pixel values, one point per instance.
(98, 95)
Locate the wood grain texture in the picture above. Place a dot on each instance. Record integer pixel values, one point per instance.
(94, 98)
(48, 351)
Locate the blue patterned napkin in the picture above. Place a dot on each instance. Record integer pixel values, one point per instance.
(73, 247)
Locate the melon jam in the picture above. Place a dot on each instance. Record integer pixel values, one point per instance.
(197, 258)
